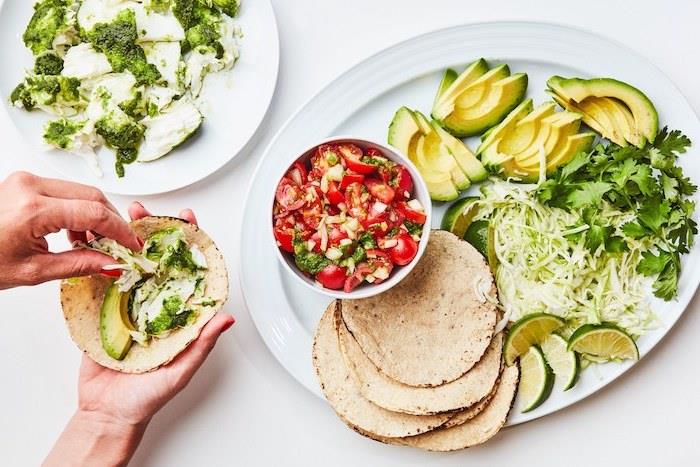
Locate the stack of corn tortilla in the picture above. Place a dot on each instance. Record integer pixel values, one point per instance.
(420, 365)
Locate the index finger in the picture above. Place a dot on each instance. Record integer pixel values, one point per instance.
(83, 216)
(55, 188)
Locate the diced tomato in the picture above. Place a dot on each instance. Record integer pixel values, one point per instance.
(357, 206)
(285, 238)
(378, 259)
(298, 173)
(405, 250)
(312, 210)
(412, 215)
(325, 156)
(334, 195)
(404, 182)
(361, 271)
(289, 195)
(332, 277)
(336, 235)
(380, 190)
(352, 156)
(316, 238)
(349, 178)
(111, 272)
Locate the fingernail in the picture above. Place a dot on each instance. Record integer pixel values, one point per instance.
(141, 242)
(228, 325)
(139, 203)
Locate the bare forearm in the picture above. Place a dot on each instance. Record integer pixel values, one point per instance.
(92, 439)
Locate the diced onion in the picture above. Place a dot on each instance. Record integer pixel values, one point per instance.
(334, 254)
(415, 205)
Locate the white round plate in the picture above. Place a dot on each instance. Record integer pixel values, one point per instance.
(234, 104)
(362, 102)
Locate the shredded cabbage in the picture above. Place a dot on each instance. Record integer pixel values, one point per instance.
(133, 265)
(544, 267)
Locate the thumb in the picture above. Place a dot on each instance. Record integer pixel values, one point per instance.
(189, 361)
(73, 263)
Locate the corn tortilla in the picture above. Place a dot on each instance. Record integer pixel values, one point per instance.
(344, 396)
(81, 300)
(385, 392)
(435, 325)
(480, 428)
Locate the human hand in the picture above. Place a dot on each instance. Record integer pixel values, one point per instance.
(114, 408)
(32, 207)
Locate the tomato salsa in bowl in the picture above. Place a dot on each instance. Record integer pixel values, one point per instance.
(350, 217)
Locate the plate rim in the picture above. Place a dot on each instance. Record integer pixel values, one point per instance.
(543, 411)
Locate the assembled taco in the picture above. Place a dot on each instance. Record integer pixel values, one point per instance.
(161, 300)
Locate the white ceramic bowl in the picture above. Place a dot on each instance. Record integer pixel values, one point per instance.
(420, 192)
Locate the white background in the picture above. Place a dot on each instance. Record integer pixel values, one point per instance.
(243, 408)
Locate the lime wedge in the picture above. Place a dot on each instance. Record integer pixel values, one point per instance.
(527, 331)
(478, 236)
(564, 362)
(536, 380)
(605, 341)
(459, 216)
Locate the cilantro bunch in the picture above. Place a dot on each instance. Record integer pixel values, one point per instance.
(644, 181)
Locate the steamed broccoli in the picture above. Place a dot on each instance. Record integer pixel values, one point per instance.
(160, 6)
(46, 91)
(172, 315)
(117, 40)
(205, 34)
(48, 63)
(51, 18)
(61, 132)
(230, 7)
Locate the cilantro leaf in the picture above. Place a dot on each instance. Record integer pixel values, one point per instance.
(634, 230)
(651, 264)
(654, 213)
(588, 194)
(666, 284)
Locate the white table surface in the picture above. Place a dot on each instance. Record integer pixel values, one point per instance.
(243, 408)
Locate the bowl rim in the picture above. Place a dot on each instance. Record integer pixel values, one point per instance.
(365, 290)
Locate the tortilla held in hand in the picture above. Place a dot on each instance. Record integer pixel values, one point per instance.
(162, 299)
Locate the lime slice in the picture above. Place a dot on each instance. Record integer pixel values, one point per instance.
(564, 362)
(536, 380)
(478, 235)
(459, 216)
(605, 341)
(527, 331)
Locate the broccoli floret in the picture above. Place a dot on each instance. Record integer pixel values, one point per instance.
(49, 19)
(171, 316)
(48, 63)
(205, 35)
(46, 90)
(119, 131)
(136, 107)
(184, 12)
(60, 132)
(117, 40)
(160, 6)
(230, 7)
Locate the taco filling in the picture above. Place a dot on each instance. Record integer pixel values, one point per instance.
(159, 289)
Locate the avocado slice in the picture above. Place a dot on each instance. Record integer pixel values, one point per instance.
(493, 134)
(434, 154)
(474, 71)
(449, 77)
(482, 104)
(623, 119)
(470, 92)
(466, 159)
(115, 323)
(406, 135)
(576, 90)
(561, 125)
(591, 106)
(574, 144)
(523, 134)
